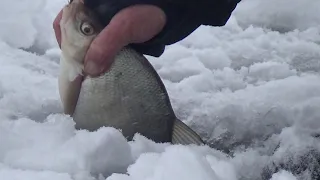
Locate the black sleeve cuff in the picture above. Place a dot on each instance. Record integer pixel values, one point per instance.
(183, 17)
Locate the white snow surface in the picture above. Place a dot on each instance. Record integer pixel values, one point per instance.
(251, 89)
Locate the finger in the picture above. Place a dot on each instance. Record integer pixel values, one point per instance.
(135, 24)
(56, 28)
(147, 21)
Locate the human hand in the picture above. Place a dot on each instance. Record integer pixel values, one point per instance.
(134, 24)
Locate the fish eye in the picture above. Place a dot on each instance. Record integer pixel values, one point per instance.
(86, 29)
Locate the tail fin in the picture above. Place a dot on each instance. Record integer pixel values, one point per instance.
(182, 134)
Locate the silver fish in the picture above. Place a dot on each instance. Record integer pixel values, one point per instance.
(130, 96)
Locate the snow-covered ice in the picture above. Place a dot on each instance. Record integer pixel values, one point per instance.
(251, 89)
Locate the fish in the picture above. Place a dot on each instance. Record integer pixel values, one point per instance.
(130, 96)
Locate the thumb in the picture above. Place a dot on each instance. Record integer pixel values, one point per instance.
(135, 24)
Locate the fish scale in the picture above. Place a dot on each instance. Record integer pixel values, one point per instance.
(128, 91)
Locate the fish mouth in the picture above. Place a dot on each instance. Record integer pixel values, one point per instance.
(70, 1)
(72, 7)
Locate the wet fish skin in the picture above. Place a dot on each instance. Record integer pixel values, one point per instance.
(130, 96)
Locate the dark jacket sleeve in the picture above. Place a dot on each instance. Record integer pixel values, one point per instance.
(183, 17)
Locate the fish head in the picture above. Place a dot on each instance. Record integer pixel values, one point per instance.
(79, 26)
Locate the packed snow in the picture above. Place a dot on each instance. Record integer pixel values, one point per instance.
(251, 89)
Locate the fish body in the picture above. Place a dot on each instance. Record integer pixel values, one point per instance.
(130, 96)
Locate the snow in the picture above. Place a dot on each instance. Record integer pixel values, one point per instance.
(250, 89)
(283, 175)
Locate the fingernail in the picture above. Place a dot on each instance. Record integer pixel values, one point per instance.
(92, 68)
